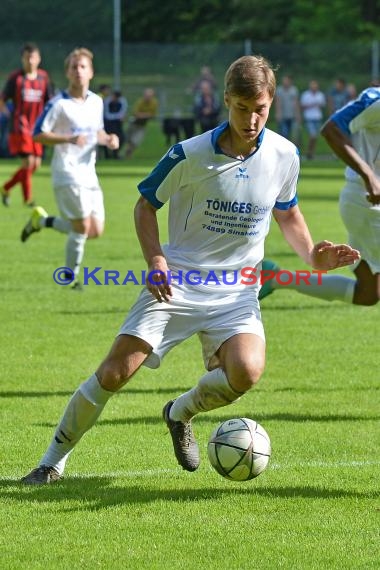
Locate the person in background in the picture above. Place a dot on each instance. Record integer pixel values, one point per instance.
(204, 75)
(352, 91)
(73, 123)
(104, 90)
(144, 110)
(206, 107)
(29, 88)
(338, 96)
(287, 109)
(313, 102)
(115, 112)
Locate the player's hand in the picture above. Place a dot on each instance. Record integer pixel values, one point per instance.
(373, 189)
(327, 255)
(157, 281)
(113, 142)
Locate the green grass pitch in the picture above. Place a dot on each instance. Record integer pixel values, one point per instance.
(125, 503)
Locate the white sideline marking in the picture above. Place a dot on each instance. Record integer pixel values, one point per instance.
(324, 464)
(158, 472)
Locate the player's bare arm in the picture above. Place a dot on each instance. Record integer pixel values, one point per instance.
(343, 148)
(148, 235)
(324, 255)
(50, 138)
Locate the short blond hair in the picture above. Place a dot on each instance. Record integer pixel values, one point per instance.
(250, 76)
(79, 52)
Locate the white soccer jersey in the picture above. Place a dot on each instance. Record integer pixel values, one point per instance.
(360, 119)
(313, 101)
(72, 164)
(220, 207)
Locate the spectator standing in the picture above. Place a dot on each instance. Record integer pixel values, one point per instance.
(104, 90)
(115, 112)
(29, 89)
(206, 107)
(352, 91)
(338, 96)
(205, 75)
(145, 109)
(312, 102)
(287, 108)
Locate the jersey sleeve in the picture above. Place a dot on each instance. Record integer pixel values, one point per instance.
(48, 118)
(165, 179)
(287, 197)
(358, 114)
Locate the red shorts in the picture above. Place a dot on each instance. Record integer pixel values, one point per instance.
(23, 144)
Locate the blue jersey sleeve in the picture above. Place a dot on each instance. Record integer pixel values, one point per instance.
(344, 116)
(287, 205)
(49, 107)
(150, 186)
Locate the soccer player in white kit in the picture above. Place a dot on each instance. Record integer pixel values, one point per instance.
(73, 122)
(353, 133)
(222, 187)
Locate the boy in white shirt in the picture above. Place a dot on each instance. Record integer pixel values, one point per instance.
(73, 122)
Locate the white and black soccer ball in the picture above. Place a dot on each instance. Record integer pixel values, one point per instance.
(239, 449)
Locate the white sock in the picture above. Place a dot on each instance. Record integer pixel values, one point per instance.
(59, 224)
(75, 250)
(213, 391)
(327, 287)
(81, 413)
(62, 225)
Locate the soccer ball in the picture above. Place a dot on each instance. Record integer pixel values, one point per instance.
(239, 449)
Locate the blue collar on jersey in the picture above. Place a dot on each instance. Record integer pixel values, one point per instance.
(221, 128)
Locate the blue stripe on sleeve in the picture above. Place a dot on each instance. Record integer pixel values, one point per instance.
(344, 116)
(287, 205)
(37, 127)
(149, 186)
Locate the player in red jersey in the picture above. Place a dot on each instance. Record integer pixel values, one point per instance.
(29, 89)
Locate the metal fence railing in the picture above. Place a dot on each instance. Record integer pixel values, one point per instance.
(171, 68)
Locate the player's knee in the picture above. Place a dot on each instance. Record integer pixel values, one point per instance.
(245, 376)
(254, 375)
(112, 375)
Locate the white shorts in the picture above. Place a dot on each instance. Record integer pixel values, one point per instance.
(362, 221)
(214, 316)
(78, 203)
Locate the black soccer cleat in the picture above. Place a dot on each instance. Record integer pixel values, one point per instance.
(185, 446)
(42, 475)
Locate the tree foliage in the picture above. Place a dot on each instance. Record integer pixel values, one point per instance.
(278, 21)
(68, 21)
(270, 21)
